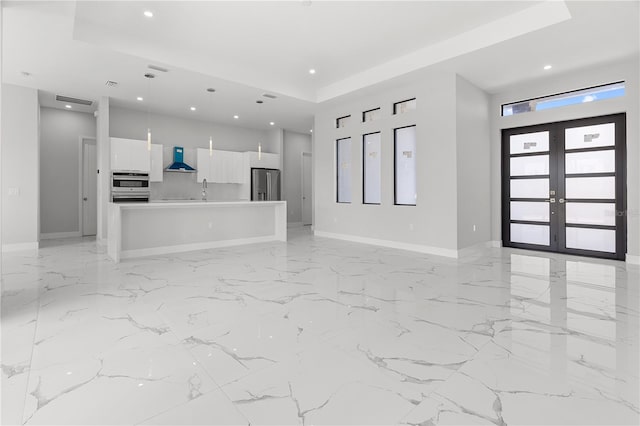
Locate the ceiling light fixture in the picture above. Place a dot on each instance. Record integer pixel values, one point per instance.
(211, 90)
(259, 102)
(148, 14)
(192, 108)
(149, 77)
(311, 130)
(236, 117)
(67, 106)
(271, 123)
(312, 71)
(547, 67)
(140, 98)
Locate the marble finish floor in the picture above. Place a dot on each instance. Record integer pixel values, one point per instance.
(317, 331)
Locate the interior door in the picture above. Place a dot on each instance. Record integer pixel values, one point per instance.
(306, 188)
(89, 188)
(564, 187)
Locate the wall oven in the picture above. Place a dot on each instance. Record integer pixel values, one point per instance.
(129, 187)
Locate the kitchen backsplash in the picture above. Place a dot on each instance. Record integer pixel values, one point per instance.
(183, 186)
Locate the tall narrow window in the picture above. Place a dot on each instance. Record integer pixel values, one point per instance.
(370, 115)
(343, 164)
(405, 165)
(342, 121)
(404, 106)
(371, 168)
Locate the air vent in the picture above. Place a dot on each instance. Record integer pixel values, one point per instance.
(111, 83)
(69, 100)
(270, 96)
(157, 68)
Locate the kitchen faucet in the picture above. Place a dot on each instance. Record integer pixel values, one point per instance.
(204, 189)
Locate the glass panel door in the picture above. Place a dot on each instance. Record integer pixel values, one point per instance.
(592, 193)
(528, 176)
(564, 187)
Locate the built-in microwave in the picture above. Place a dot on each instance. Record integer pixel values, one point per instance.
(122, 180)
(129, 187)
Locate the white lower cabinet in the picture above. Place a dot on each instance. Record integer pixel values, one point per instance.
(130, 154)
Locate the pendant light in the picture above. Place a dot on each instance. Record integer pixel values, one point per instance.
(259, 102)
(149, 77)
(211, 90)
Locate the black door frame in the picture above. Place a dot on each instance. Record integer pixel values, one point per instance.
(557, 219)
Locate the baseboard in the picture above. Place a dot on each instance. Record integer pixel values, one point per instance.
(294, 224)
(20, 247)
(391, 244)
(633, 259)
(494, 244)
(128, 254)
(475, 249)
(56, 235)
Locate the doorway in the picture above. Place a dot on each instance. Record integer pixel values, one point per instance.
(89, 188)
(307, 207)
(563, 187)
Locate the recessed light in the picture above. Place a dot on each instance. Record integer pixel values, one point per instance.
(68, 106)
(271, 123)
(192, 108)
(547, 67)
(140, 98)
(148, 14)
(312, 71)
(311, 130)
(236, 117)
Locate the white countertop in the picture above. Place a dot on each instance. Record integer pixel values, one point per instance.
(153, 204)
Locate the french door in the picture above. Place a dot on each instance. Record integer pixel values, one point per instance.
(563, 187)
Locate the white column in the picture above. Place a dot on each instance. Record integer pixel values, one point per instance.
(104, 167)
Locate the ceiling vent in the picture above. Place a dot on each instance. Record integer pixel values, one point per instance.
(69, 100)
(157, 68)
(111, 83)
(270, 96)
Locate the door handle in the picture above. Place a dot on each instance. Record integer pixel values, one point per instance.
(561, 200)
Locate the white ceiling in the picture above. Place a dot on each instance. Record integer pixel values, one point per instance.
(246, 49)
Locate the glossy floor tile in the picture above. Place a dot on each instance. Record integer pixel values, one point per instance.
(317, 331)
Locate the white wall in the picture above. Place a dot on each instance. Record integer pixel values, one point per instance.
(473, 155)
(60, 132)
(627, 70)
(431, 225)
(172, 131)
(1, 123)
(20, 168)
(294, 145)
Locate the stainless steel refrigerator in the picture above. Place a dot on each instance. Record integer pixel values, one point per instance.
(265, 184)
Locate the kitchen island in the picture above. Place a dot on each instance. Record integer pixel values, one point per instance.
(144, 229)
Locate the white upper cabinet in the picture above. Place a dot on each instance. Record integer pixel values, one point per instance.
(156, 173)
(220, 166)
(130, 155)
(203, 165)
(267, 160)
